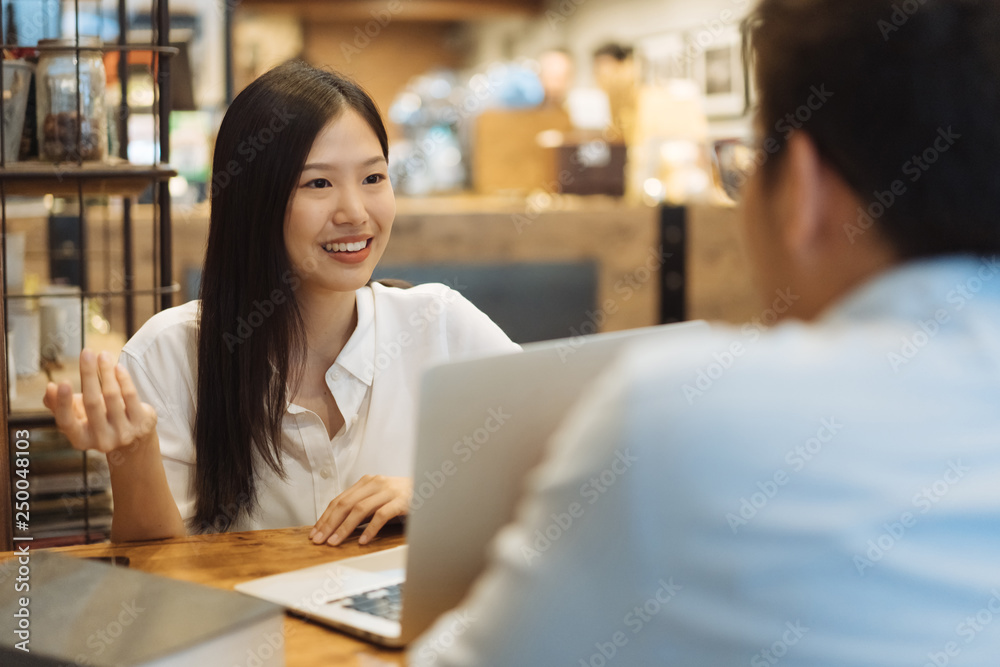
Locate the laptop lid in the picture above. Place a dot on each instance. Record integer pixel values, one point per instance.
(483, 425)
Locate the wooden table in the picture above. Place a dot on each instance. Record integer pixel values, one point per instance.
(228, 559)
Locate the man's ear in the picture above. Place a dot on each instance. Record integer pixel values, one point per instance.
(803, 194)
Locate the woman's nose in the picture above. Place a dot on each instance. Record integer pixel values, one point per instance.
(350, 208)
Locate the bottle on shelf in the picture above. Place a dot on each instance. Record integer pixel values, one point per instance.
(72, 118)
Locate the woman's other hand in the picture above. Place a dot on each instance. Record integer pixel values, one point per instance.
(107, 415)
(376, 497)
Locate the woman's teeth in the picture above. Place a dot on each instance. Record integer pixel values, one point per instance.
(345, 247)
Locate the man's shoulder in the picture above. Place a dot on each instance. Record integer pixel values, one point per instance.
(747, 369)
(745, 349)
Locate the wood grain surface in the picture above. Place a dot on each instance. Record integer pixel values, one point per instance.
(228, 559)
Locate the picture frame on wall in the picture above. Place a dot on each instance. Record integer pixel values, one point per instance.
(719, 71)
(663, 57)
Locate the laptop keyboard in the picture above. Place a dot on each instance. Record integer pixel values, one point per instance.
(384, 602)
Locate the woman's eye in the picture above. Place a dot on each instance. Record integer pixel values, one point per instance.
(374, 178)
(318, 183)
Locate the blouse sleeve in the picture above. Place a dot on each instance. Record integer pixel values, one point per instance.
(174, 417)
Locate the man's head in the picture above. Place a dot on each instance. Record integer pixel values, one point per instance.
(611, 62)
(880, 121)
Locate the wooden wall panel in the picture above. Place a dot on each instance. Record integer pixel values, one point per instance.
(384, 63)
(403, 10)
(719, 283)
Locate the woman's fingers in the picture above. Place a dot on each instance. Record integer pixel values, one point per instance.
(336, 512)
(67, 420)
(49, 398)
(114, 404)
(107, 414)
(141, 416)
(93, 400)
(357, 515)
(388, 511)
(378, 498)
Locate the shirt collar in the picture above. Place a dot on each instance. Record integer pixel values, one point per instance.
(356, 359)
(919, 287)
(358, 354)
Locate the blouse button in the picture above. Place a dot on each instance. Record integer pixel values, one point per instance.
(325, 473)
(336, 376)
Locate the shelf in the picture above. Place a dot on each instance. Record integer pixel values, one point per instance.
(414, 10)
(104, 48)
(64, 179)
(62, 510)
(174, 288)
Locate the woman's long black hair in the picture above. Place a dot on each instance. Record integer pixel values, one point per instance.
(251, 334)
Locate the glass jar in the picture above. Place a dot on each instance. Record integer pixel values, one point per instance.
(70, 129)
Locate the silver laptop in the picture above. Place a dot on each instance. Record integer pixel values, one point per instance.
(483, 424)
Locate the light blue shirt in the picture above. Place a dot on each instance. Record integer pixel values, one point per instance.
(817, 494)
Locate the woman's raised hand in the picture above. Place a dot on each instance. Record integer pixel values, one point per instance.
(107, 415)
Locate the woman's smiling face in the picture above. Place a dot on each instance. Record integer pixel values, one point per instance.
(341, 211)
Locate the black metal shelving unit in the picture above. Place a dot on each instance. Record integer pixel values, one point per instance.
(112, 177)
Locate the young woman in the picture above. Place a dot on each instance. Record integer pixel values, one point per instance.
(286, 396)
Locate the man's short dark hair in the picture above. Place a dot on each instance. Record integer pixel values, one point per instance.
(902, 98)
(614, 50)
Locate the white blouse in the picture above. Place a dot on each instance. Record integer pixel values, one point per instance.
(374, 381)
